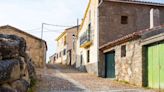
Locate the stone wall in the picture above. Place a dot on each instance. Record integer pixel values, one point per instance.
(17, 71)
(110, 13)
(36, 48)
(129, 68)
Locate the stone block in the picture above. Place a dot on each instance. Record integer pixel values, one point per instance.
(3, 89)
(20, 85)
(9, 70)
(11, 46)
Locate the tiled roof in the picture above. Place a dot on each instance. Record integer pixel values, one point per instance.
(129, 37)
(16, 29)
(138, 2)
(30, 35)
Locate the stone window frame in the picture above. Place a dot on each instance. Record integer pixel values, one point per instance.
(123, 51)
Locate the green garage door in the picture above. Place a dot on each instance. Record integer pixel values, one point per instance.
(156, 65)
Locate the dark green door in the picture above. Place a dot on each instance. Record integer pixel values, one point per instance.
(156, 65)
(110, 64)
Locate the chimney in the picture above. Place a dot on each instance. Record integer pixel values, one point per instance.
(154, 17)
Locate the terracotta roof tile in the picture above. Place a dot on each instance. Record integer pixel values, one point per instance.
(129, 37)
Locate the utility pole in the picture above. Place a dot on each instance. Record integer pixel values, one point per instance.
(42, 30)
(77, 26)
(50, 25)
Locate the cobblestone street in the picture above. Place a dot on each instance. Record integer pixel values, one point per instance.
(60, 78)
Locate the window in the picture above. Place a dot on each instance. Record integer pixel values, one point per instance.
(89, 31)
(88, 56)
(65, 40)
(124, 19)
(123, 51)
(54, 58)
(81, 59)
(89, 27)
(64, 52)
(57, 56)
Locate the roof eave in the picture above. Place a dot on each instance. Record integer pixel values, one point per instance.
(137, 2)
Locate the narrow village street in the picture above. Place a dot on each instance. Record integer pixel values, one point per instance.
(60, 78)
(82, 46)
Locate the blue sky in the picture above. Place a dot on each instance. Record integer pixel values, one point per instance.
(161, 1)
(29, 14)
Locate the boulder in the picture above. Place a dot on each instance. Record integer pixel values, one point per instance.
(3, 89)
(17, 72)
(24, 69)
(20, 85)
(7, 86)
(11, 46)
(9, 70)
(31, 69)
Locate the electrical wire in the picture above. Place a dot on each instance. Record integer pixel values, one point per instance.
(34, 29)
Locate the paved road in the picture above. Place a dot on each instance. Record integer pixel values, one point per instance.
(59, 78)
(54, 81)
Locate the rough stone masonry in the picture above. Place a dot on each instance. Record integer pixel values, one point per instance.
(17, 72)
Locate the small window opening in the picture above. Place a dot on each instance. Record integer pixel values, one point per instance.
(124, 19)
(123, 51)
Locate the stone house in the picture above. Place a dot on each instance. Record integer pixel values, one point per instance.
(65, 47)
(36, 47)
(52, 59)
(108, 20)
(135, 58)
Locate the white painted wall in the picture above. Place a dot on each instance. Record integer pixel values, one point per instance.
(61, 47)
(94, 31)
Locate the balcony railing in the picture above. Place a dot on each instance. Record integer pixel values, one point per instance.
(85, 39)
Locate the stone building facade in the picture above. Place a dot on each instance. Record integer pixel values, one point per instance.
(108, 20)
(52, 59)
(134, 66)
(65, 48)
(118, 18)
(36, 47)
